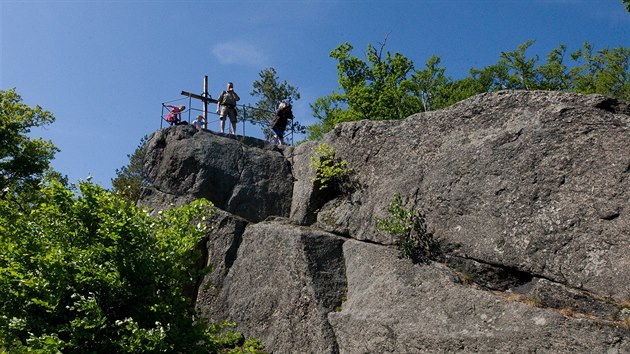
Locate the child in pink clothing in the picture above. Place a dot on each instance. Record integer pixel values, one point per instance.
(174, 116)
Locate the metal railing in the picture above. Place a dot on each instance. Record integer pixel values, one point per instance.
(190, 110)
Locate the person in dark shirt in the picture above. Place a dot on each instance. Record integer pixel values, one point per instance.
(279, 122)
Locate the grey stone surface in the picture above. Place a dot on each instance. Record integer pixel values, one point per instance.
(244, 176)
(308, 198)
(283, 283)
(220, 249)
(394, 306)
(527, 195)
(537, 182)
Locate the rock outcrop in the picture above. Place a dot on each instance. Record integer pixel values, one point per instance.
(525, 194)
(244, 177)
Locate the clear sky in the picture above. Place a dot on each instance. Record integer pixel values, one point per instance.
(104, 67)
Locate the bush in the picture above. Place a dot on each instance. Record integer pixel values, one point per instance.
(327, 168)
(92, 273)
(409, 228)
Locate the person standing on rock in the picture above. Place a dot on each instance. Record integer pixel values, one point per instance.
(226, 105)
(279, 122)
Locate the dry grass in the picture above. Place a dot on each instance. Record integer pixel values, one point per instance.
(567, 312)
(464, 278)
(532, 301)
(619, 320)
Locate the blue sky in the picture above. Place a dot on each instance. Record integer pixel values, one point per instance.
(103, 67)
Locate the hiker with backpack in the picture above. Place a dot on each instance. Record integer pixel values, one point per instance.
(174, 116)
(279, 122)
(226, 105)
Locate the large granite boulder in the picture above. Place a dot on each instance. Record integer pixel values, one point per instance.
(399, 307)
(532, 182)
(219, 251)
(243, 176)
(526, 196)
(281, 287)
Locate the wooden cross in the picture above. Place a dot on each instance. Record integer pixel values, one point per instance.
(205, 98)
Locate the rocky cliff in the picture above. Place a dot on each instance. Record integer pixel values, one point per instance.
(526, 196)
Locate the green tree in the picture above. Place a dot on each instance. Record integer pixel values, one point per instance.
(430, 85)
(374, 89)
(387, 86)
(328, 110)
(132, 178)
(23, 159)
(521, 71)
(93, 273)
(554, 74)
(604, 72)
(270, 92)
(328, 169)
(409, 228)
(377, 89)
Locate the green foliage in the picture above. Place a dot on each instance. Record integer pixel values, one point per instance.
(409, 228)
(329, 111)
(230, 342)
(376, 89)
(131, 179)
(430, 85)
(23, 159)
(327, 168)
(388, 87)
(604, 72)
(89, 272)
(270, 93)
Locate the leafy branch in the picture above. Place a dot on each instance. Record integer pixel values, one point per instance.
(327, 168)
(409, 228)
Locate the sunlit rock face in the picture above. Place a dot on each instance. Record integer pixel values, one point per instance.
(526, 196)
(243, 176)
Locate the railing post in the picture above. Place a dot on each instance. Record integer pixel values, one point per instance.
(244, 115)
(205, 102)
(162, 116)
(189, 108)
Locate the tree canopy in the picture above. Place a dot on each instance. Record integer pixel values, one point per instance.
(84, 270)
(132, 178)
(23, 159)
(388, 86)
(93, 273)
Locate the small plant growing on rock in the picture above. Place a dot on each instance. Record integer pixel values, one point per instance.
(410, 229)
(327, 168)
(464, 278)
